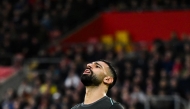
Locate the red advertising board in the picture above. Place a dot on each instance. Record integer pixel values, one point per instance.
(146, 26)
(143, 26)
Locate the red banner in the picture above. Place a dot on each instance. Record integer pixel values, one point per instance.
(143, 26)
(146, 26)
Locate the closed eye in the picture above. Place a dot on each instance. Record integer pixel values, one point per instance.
(97, 66)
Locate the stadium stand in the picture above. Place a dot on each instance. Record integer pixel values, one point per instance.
(27, 26)
(160, 71)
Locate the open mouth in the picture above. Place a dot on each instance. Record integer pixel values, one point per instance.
(87, 71)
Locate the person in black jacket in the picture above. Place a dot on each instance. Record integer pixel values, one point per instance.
(98, 77)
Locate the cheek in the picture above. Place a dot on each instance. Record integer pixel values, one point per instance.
(99, 74)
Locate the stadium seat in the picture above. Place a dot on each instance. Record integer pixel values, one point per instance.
(123, 39)
(107, 40)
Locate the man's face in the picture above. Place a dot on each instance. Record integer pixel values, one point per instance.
(94, 73)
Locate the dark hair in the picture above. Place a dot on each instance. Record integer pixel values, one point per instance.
(112, 70)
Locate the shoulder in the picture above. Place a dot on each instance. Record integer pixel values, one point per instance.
(76, 106)
(117, 106)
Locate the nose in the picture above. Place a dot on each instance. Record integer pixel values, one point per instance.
(89, 65)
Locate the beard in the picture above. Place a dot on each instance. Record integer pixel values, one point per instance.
(90, 79)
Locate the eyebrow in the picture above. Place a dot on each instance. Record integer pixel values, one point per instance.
(98, 64)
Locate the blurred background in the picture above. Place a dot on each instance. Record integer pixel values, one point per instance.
(46, 44)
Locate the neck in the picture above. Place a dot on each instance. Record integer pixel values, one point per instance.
(93, 94)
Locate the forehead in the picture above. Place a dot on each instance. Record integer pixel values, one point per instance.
(103, 64)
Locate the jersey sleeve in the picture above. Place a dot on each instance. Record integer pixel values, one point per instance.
(116, 106)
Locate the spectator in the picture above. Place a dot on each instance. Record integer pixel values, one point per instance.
(167, 62)
(72, 80)
(177, 67)
(138, 94)
(24, 89)
(48, 88)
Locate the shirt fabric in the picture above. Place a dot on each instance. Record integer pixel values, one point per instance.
(103, 103)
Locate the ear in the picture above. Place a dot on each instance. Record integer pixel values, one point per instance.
(108, 80)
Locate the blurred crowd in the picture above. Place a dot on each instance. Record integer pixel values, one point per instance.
(26, 26)
(161, 68)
